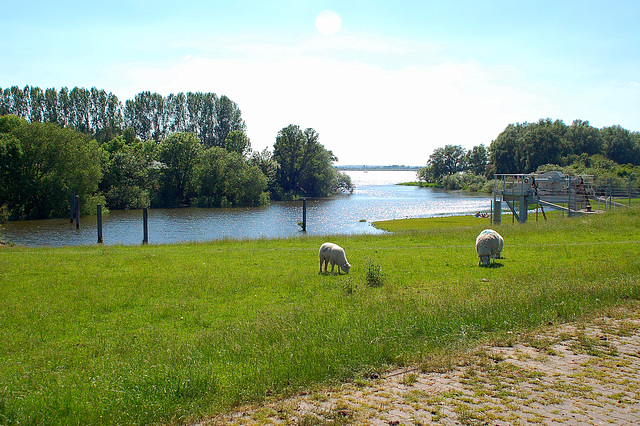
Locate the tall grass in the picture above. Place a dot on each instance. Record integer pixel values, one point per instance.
(138, 335)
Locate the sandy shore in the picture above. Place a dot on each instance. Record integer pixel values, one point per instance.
(577, 373)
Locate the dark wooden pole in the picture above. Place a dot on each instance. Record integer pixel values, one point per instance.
(145, 226)
(99, 224)
(304, 215)
(77, 212)
(72, 207)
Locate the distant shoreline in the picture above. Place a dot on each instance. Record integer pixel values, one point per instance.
(394, 168)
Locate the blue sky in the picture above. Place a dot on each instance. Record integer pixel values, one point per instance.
(397, 80)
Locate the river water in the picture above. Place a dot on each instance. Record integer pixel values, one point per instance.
(376, 197)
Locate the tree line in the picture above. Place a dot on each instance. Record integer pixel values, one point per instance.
(149, 115)
(180, 150)
(530, 147)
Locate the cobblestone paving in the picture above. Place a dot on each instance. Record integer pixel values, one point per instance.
(584, 373)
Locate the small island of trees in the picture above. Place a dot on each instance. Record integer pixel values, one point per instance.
(188, 149)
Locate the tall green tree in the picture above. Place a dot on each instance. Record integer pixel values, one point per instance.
(179, 154)
(478, 160)
(306, 166)
(41, 164)
(448, 160)
(620, 146)
(228, 119)
(128, 173)
(507, 153)
(268, 166)
(584, 139)
(238, 141)
(225, 179)
(543, 144)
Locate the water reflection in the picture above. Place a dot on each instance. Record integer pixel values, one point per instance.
(377, 197)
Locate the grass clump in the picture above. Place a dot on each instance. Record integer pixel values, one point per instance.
(176, 333)
(374, 276)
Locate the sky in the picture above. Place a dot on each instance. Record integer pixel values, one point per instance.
(382, 82)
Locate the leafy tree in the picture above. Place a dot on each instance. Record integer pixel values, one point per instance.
(237, 141)
(447, 161)
(306, 167)
(268, 166)
(478, 160)
(542, 145)
(620, 146)
(584, 139)
(179, 154)
(127, 173)
(228, 119)
(41, 164)
(425, 174)
(343, 183)
(225, 179)
(51, 106)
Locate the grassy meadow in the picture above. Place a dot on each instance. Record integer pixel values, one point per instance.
(176, 333)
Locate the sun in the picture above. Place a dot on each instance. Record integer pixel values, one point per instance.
(328, 22)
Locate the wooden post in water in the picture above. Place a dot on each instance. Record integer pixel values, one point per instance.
(99, 224)
(72, 207)
(304, 215)
(77, 212)
(145, 226)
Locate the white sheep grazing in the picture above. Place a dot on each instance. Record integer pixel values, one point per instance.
(489, 245)
(334, 254)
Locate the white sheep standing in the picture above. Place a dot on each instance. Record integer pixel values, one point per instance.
(489, 245)
(334, 254)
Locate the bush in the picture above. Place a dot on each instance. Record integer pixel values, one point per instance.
(374, 277)
(4, 214)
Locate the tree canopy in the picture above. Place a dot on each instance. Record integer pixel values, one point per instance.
(180, 150)
(523, 148)
(306, 166)
(41, 164)
(150, 115)
(531, 147)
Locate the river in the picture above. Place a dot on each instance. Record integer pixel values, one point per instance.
(376, 197)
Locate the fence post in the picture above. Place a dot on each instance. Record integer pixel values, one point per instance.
(77, 212)
(610, 193)
(99, 224)
(304, 215)
(569, 199)
(145, 226)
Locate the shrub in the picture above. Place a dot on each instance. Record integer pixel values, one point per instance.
(374, 277)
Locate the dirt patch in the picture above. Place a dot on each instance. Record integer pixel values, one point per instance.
(578, 373)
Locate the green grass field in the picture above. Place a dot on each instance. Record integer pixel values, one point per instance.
(174, 333)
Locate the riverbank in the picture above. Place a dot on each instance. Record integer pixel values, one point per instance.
(180, 333)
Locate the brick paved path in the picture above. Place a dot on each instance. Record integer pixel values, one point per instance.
(584, 373)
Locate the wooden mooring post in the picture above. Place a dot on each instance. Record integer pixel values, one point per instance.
(304, 215)
(99, 213)
(72, 207)
(145, 226)
(77, 202)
